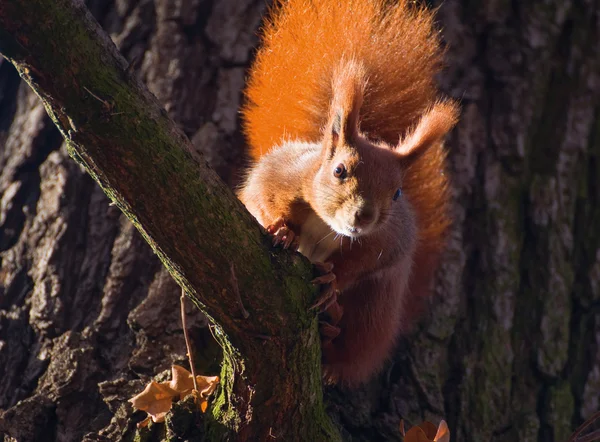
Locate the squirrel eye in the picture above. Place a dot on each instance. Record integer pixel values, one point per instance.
(339, 171)
(398, 194)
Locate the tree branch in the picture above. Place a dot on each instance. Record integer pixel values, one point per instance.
(117, 130)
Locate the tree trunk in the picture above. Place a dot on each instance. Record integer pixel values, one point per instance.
(509, 349)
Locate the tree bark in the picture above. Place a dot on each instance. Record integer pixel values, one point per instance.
(509, 349)
(207, 241)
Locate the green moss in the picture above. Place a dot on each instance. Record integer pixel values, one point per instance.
(297, 301)
(486, 389)
(183, 422)
(560, 408)
(190, 219)
(222, 411)
(488, 385)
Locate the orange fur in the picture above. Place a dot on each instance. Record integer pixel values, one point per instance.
(289, 88)
(352, 82)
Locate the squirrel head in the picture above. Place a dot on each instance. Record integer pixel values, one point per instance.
(359, 181)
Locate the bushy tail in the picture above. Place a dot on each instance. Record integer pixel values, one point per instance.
(289, 88)
(289, 91)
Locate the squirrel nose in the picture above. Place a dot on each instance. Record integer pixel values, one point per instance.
(364, 216)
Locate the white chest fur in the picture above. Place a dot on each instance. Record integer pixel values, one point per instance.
(317, 240)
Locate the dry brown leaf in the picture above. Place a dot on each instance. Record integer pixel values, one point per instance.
(156, 400)
(443, 433)
(429, 429)
(181, 381)
(207, 385)
(183, 384)
(416, 434)
(427, 432)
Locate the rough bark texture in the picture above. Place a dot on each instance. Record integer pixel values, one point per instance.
(192, 221)
(509, 350)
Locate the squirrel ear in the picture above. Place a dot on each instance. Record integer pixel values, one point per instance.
(336, 128)
(432, 127)
(348, 88)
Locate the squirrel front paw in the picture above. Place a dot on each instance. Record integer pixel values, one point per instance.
(282, 234)
(328, 332)
(328, 323)
(329, 290)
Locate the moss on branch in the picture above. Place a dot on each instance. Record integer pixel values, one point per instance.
(117, 130)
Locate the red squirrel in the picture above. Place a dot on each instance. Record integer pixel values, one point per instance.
(345, 127)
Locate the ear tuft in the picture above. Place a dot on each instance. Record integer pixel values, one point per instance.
(433, 126)
(336, 125)
(348, 86)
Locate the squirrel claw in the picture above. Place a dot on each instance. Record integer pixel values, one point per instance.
(334, 312)
(328, 328)
(328, 332)
(326, 300)
(324, 279)
(289, 239)
(282, 234)
(324, 268)
(329, 293)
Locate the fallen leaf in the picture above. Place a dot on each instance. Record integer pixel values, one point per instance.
(183, 384)
(416, 434)
(181, 381)
(443, 433)
(156, 400)
(207, 385)
(429, 429)
(427, 432)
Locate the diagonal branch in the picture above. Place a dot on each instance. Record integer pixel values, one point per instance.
(116, 129)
